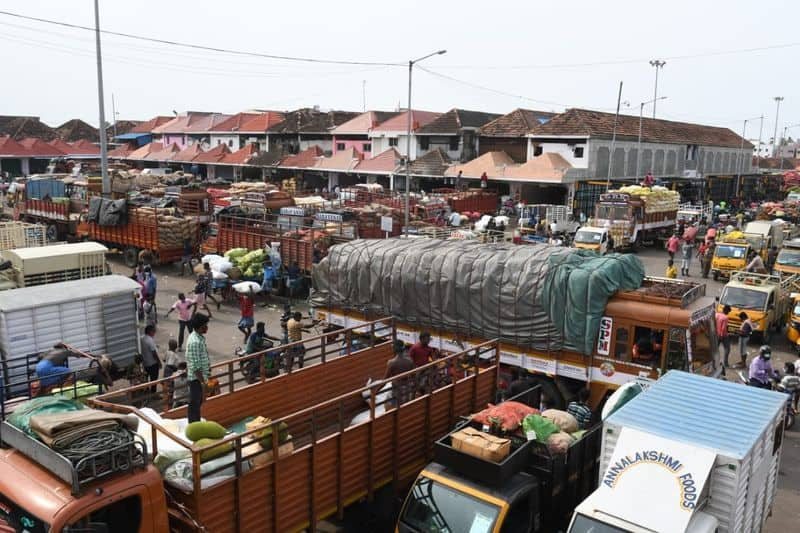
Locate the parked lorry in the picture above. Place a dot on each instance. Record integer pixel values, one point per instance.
(21, 235)
(53, 264)
(326, 462)
(464, 292)
(595, 239)
(671, 467)
(770, 233)
(160, 231)
(560, 215)
(55, 200)
(634, 215)
(766, 299)
(531, 490)
(97, 315)
(788, 260)
(730, 255)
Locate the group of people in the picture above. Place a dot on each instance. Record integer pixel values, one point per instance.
(684, 239)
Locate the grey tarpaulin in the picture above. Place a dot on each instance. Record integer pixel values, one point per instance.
(545, 297)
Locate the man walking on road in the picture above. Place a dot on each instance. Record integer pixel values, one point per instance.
(721, 319)
(198, 366)
(185, 308)
(150, 354)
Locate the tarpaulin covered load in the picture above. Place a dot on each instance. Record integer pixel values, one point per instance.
(545, 297)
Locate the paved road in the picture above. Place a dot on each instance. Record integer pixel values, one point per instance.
(224, 337)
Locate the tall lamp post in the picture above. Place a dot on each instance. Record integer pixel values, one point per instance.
(740, 158)
(101, 102)
(408, 134)
(639, 140)
(778, 100)
(658, 65)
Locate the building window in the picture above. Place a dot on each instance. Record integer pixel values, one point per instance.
(578, 152)
(392, 141)
(219, 142)
(424, 143)
(339, 146)
(454, 142)
(537, 150)
(691, 152)
(230, 143)
(367, 147)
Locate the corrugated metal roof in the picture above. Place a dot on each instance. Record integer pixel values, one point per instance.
(720, 415)
(27, 297)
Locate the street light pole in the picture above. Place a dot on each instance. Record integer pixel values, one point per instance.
(778, 100)
(101, 102)
(613, 139)
(408, 136)
(760, 131)
(659, 65)
(639, 141)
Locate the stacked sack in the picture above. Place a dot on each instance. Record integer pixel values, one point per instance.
(555, 428)
(656, 199)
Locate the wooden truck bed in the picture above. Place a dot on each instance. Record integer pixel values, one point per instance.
(333, 463)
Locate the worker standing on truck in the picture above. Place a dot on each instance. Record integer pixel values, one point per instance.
(246, 321)
(422, 353)
(198, 366)
(402, 389)
(185, 308)
(761, 370)
(721, 319)
(755, 263)
(580, 409)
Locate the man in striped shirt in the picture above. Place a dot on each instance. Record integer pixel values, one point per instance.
(198, 366)
(580, 410)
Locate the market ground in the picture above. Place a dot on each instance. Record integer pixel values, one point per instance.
(223, 338)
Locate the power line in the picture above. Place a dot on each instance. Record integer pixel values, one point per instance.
(203, 47)
(626, 61)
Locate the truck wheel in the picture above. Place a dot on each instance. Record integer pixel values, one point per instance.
(637, 244)
(52, 233)
(716, 276)
(131, 256)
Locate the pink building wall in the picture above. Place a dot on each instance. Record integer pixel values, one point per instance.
(357, 144)
(177, 138)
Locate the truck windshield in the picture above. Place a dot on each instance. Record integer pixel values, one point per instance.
(735, 252)
(436, 508)
(15, 518)
(741, 298)
(588, 237)
(789, 258)
(584, 524)
(612, 212)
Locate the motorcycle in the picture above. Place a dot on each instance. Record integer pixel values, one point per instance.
(790, 414)
(272, 360)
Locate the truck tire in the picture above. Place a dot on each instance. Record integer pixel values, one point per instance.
(131, 256)
(549, 389)
(716, 276)
(52, 233)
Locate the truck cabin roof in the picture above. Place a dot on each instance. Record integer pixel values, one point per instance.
(508, 491)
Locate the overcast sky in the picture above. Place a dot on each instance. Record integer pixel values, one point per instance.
(545, 54)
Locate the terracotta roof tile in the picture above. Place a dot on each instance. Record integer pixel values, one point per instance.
(188, 154)
(61, 145)
(493, 163)
(400, 122)
(39, 148)
(386, 162)
(215, 155)
(261, 122)
(545, 168)
(11, 148)
(150, 125)
(268, 159)
(173, 125)
(203, 124)
(241, 156)
(311, 121)
(434, 163)
(123, 127)
(455, 120)
(517, 123)
(84, 147)
(21, 127)
(120, 152)
(163, 155)
(75, 130)
(363, 123)
(305, 159)
(140, 153)
(343, 160)
(584, 122)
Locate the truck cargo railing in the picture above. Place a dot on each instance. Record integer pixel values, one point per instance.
(675, 292)
(164, 395)
(21, 235)
(315, 476)
(786, 283)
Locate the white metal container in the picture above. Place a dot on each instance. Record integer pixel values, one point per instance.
(95, 315)
(21, 235)
(58, 262)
